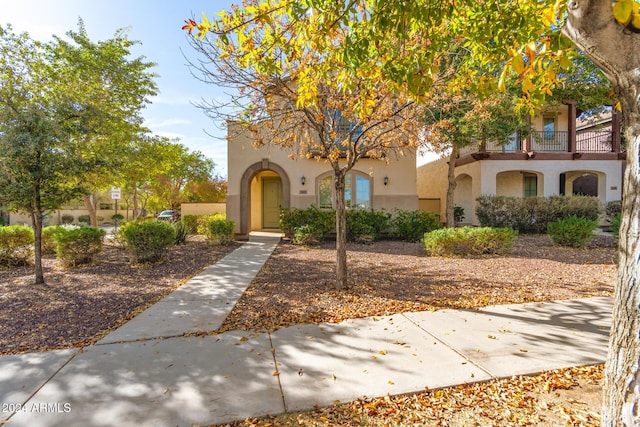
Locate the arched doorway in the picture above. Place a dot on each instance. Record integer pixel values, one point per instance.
(264, 189)
(585, 185)
(463, 197)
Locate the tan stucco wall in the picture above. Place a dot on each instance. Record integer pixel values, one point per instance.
(399, 193)
(202, 208)
(506, 178)
(54, 218)
(561, 114)
(432, 183)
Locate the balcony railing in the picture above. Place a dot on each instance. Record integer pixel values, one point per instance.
(593, 141)
(549, 141)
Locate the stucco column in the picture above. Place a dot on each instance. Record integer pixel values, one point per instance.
(550, 183)
(571, 126)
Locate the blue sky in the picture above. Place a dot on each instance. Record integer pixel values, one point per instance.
(157, 25)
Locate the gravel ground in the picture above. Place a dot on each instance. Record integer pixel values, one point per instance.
(79, 306)
(296, 284)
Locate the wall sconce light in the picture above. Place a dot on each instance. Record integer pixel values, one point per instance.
(303, 180)
(385, 180)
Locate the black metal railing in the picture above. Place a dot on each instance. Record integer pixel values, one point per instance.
(549, 141)
(594, 141)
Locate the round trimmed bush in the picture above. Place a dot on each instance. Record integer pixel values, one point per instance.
(469, 241)
(16, 245)
(48, 242)
(573, 231)
(147, 241)
(220, 231)
(75, 246)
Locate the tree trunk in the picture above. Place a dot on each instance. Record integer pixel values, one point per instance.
(91, 207)
(341, 232)
(36, 220)
(614, 50)
(621, 394)
(135, 202)
(451, 189)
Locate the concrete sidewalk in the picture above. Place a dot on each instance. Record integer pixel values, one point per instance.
(176, 380)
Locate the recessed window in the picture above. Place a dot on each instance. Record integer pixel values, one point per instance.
(357, 194)
(549, 124)
(530, 186)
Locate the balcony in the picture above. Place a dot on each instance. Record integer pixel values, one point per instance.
(591, 141)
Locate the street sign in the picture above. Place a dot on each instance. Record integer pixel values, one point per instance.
(115, 193)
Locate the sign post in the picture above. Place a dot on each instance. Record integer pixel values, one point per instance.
(115, 195)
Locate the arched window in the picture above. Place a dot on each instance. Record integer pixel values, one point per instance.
(357, 194)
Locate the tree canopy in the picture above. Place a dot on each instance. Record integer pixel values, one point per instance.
(63, 107)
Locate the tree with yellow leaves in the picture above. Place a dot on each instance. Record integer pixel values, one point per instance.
(271, 100)
(398, 42)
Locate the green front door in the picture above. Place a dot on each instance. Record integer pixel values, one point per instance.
(271, 202)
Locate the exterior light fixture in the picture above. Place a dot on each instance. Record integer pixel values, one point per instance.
(385, 180)
(303, 180)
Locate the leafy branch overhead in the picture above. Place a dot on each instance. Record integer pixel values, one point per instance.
(365, 42)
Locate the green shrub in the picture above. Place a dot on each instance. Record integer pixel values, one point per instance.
(458, 214)
(84, 219)
(117, 218)
(614, 216)
(220, 231)
(75, 246)
(531, 215)
(191, 223)
(182, 233)
(411, 226)
(366, 226)
(573, 231)
(308, 235)
(469, 241)
(66, 219)
(16, 245)
(48, 242)
(613, 208)
(322, 220)
(146, 241)
(614, 224)
(204, 220)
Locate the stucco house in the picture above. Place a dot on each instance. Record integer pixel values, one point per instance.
(560, 156)
(263, 180)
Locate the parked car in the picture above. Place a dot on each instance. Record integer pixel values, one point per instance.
(166, 215)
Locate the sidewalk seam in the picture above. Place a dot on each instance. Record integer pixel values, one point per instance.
(275, 363)
(452, 348)
(73, 356)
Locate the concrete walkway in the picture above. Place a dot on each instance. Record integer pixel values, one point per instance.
(149, 373)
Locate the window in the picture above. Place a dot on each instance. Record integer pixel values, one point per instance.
(530, 186)
(357, 193)
(549, 126)
(343, 127)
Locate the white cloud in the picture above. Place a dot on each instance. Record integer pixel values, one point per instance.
(168, 123)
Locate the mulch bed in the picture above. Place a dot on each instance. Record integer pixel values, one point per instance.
(296, 284)
(79, 306)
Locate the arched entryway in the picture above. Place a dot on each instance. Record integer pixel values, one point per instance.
(585, 185)
(264, 189)
(463, 196)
